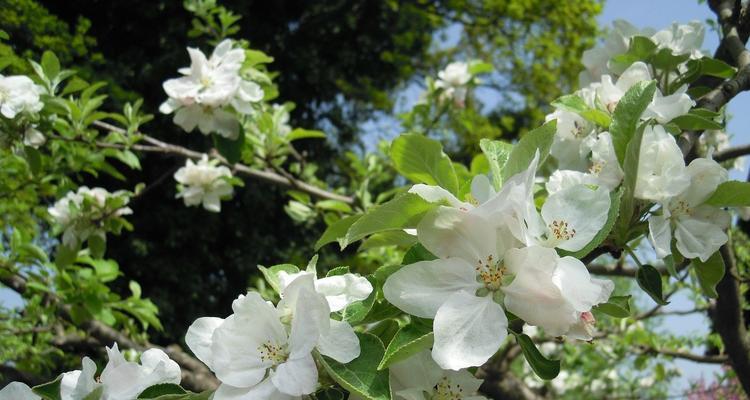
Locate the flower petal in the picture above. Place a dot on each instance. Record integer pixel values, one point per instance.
(296, 376)
(342, 290)
(468, 331)
(421, 288)
(340, 343)
(582, 209)
(449, 232)
(660, 235)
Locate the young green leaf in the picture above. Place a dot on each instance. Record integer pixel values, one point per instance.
(50, 64)
(627, 199)
(404, 211)
(336, 231)
(540, 139)
(497, 153)
(359, 377)
(695, 122)
(417, 253)
(231, 149)
(49, 390)
(542, 366)
(421, 159)
(649, 280)
(409, 340)
(709, 273)
(617, 306)
(627, 114)
(731, 194)
(272, 274)
(161, 389)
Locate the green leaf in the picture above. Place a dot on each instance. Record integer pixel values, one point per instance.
(34, 159)
(617, 306)
(713, 67)
(359, 377)
(640, 48)
(627, 199)
(480, 67)
(539, 139)
(161, 389)
(421, 159)
(497, 153)
(664, 59)
(649, 280)
(612, 214)
(230, 149)
(49, 390)
(389, 238)
(255, 57)
(97, 244)
(627, 114)
(694, 122)
(731, 194)
(575, 104)
(65, 255)
(343, 270)
(4, 35)
(417, 253)
(409, 340)
(709, 273)
(300, 133)
(404, 211)
(336, 231)
(272, 274)
(334, 205)
(543, 367)
(50, 64)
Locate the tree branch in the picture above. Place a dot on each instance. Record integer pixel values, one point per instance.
(158, 146)
(732, 153)
(706, 359)
(727, 316)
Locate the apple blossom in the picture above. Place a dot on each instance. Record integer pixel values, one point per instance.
(698, 228)
(76, 210)
(18, 391)
(203, 183)
(682, 39)
(453, 80)
(661, 169)
(596, 60)
(419, 378)
(32, 137)
(18, 94)
(209, 86)
(339, 290)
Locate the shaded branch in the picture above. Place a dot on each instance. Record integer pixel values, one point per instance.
(705, 359)
(158, 146)
(732, 153)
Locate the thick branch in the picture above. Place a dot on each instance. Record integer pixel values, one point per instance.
(732, 153)
(728, 320)
(158, 146)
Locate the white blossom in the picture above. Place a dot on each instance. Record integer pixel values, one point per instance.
(17, 391)
(32, 137)
(76, 209)
(682, 39)
(339, 290)
(18, 94)
(419, 378)
(661, 168)
(453, 80)
(596, 60)
(203, 183)
(698, 228)
(202, 96)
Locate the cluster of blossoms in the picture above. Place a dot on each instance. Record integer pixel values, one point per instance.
(204, 183)
(499, 255)
(120, 379)
(263, 351)
(84, 212)
(19, 95)
(210, 90)
(585, 153)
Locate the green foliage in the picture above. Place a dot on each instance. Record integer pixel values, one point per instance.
(537, 141)
(731, 194)
(422, 160)
(359, 377)
(408, 341)
(649, 280)
(497, 154)
(709, 273)
(627, 114)
(542, 366)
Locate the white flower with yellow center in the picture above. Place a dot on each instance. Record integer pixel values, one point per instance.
(698, 228)
(419, 378)
(262, 351)
(203, 183)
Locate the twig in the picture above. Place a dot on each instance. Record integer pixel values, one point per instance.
(732, 152)
(707, 359)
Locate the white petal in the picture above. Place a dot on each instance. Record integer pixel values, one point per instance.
(482, 189)
(533, 295)
(421, 288)
(449, 232)
(661, 168)
(705, 177)
(310, 314)
(577, 286)
(583, 209)
(342, 290)
(340, 343)
(159, 367)
(468, 331)
(262, 391)
(660, 235)
(563, 179)
(419, 372)
(696, 238)
(199, 338)
(302, 290)
(17, 391)
(296, 376)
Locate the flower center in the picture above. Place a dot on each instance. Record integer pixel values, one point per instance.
(681, 207)
(272, 352)
(491, 272)
(206, 81)
(445, 390)
(560, 230)
(611, 107)
(596, 167)
(577, 129)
